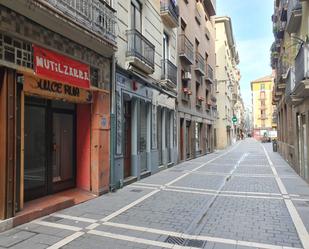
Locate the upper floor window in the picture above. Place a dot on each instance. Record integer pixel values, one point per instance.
(136, 15)
(262, 87)
(165, 46)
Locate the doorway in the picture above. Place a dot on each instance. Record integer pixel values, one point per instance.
(127, 139)
(50, 133)
(181, 139)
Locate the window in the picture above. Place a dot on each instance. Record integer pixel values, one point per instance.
(262, 87)
(183, 25)
(165, 46)
(136, 15)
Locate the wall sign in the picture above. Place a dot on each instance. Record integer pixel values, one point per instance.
(60, 68)
(56, 90)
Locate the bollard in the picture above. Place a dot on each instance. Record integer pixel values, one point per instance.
(275, 145)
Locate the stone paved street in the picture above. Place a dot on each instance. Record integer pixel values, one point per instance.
(245, 197)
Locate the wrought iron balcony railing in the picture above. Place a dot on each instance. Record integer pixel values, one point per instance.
(140, 48)
(169, 73)
(186, 49)
(294, 14)
(210, 7)
(290, 82)
(169, 12)
(210, 74)
(199, 63)
(95, 15)
(302, 64)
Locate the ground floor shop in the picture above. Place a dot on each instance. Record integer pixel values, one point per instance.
(145, 129)
(54, 136)
(196, 136)
(293, 136)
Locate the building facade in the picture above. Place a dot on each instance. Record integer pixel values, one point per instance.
(262, 107)
(289, 55)
(55, 80)
(196, 78)
(145, 93)
(228, 77)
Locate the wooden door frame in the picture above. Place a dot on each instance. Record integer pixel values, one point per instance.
(7, 142)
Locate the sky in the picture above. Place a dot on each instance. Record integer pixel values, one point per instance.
(252, 28)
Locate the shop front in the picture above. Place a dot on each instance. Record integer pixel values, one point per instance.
(145, 128)
(57, 135)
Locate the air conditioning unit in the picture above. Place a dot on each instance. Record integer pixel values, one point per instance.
(187, 76)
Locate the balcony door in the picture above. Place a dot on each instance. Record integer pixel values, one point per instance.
(136, 15)
(49, 165)
(166, 52)
(136, 25)
(165, 55)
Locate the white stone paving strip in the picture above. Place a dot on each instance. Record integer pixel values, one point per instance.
(196, 237)
(298, 223)
(75, 218)
(132, 204)
(221, 194)
(204, 164)
(57, 225)
(138, 240)
(227, 192)
(66, 240)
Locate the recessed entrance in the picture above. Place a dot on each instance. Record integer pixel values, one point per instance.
(127, 139)
(49, 147)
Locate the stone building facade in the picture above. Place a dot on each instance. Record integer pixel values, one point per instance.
(196, 73)
(289, 55)
(262, 107)
(228, 77)
(55, 80)
(145, 94)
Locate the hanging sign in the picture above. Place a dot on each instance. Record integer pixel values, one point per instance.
(60, 68)
(56, 90)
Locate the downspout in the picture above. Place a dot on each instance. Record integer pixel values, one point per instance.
(112, 185)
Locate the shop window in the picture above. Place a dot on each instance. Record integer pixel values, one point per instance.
(94, 77)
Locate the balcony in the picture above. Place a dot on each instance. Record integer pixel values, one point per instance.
(198, 16)
(294, 15)
(95, 15)
(283, 12)
(140, 52)
(302, 72)
(210, 74)
(90, 23)
(290, 82)
(169, 74)
(169, 13)
(210, 6)
(186, 49)
(290, 85)
(213, 98)
(199, 64)
(185, 96)
(198, 102)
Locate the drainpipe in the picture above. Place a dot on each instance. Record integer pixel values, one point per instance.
(112, 185)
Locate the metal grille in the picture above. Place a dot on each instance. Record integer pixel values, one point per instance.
(186, 242)
(16, 51)
(175, 240)
(195, 243)
(97, 15)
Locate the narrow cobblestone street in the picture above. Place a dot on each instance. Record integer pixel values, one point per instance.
(244, 197)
